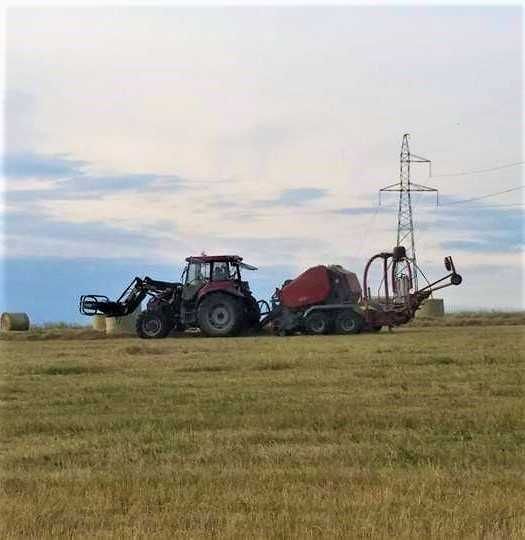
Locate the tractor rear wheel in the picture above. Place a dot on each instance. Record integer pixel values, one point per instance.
(220, 315)
(348, 322)
(317, 323)
(152, 325)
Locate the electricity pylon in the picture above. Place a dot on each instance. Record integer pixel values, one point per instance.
(405, 221)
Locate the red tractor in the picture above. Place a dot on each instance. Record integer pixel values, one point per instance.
(211, 296)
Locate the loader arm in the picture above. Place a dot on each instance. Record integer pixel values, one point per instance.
(128, 301)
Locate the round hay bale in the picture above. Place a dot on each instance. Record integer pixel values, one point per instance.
(432, 307)
(99, 323)
(10, 322)
(122, 325)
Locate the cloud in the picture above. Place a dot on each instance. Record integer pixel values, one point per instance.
(28, 234)
(54, 205)
(19, 116)
(101, 233)
(72, 175)
(294, 197)
(360, 210)
(503, 241)
(30, 165)
(480, 228)
(88, 184)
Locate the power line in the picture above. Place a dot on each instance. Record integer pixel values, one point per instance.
(479, 171)
(497, 206)
(503, 205)
(485, 196)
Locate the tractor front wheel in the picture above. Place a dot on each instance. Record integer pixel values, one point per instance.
(220, 315)
(152, 325)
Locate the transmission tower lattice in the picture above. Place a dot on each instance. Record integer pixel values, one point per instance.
(405, 221)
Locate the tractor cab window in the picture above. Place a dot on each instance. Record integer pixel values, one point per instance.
(221, 271)
(234, 272)
(198, 272)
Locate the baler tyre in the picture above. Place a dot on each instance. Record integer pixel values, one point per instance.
(348, 322)
(317, 323)
(220, 315)
(152, 325)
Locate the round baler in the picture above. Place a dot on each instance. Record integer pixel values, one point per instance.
(329, 299)
(322, 300)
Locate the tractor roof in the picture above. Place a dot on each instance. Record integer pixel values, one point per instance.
(214, 258)
(221, 258)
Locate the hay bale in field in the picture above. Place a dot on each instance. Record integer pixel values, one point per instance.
(99, 323)
(122, 325)
(432, 307)
(10, 322)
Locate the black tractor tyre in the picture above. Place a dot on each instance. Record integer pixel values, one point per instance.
(376, 328)
(348, 322)
(152, 325)
(318, 323)
(220, 315)
(252, 314)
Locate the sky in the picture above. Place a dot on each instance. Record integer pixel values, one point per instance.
(136, 136)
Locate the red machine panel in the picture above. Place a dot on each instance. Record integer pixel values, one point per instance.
(311, 287)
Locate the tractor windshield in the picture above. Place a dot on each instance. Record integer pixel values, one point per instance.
(198, 271)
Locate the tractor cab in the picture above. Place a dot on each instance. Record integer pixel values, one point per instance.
(205, 273)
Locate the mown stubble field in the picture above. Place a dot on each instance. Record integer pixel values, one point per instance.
(415, 434)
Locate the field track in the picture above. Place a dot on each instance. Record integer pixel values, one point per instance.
(419, 433)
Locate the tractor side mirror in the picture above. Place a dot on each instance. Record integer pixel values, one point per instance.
(448, 264)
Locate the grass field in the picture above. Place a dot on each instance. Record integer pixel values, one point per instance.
(419, 433)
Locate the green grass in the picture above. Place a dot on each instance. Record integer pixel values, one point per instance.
(59, 325)
(473, 318)
(419, 433)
